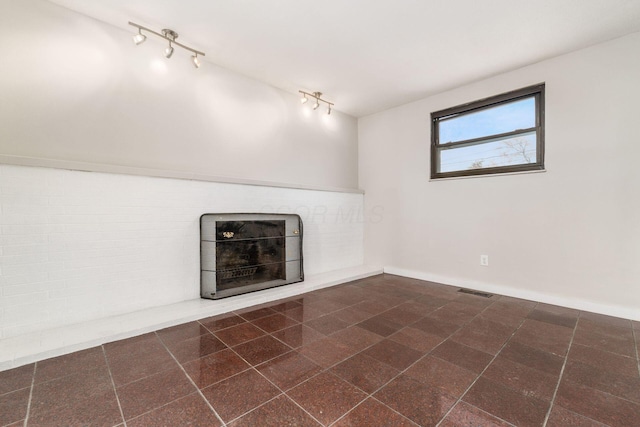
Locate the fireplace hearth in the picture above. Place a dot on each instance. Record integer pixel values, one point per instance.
(248, 252)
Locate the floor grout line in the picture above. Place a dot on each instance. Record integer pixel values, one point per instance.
(637, 345)
(564, 364)
(113, 384)
(33, 382)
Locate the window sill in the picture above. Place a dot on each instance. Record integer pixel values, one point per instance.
(487, 175)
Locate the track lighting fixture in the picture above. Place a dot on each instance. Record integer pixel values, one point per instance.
(170, 36)
(316, 96)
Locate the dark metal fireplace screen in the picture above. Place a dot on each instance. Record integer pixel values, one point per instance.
(247, 252)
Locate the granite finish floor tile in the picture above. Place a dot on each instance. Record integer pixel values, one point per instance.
(416, 339)
(507, 404)
(380, 325)
(597, 405)
(261, 349)
(568, 320)
(467, 415)
(176, 334)
(13, 406)
(191, 410)
(527, 381)
(327, 397)
(384, 350)
(289, 370)
(298, 336)
(364, 372)
(16, 379)
(436, 372)
(222, 321)
(327, 351)
(152, 392)
(463, 356)
(215, 367)
(327, 324)
(373, 413)
(561, 417)
(240, 394)
(422, 404)
(278, 412)
(393, 354)
(239, 334)
(195, 348)
(274, 322)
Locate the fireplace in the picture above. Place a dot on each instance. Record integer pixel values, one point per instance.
(248, 252)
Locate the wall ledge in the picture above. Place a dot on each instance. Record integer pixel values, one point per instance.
(23, 349)
(8, 159)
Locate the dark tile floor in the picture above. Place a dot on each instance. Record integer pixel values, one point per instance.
(383, 351)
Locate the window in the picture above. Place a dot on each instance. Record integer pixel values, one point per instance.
(504, 133)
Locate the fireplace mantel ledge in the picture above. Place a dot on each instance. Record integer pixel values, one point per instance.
(23, 349)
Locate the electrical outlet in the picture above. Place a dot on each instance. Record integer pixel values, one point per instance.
(484, 260)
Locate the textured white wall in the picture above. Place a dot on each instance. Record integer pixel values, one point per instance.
(80, 245)
(570, 235)
(75, 89)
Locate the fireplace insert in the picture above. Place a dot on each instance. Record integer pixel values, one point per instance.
(247, 252)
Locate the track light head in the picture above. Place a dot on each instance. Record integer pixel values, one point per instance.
(196, 61)
(329, 110)
(304, 99)
(139, 38)
(317, 96)
(168, 51)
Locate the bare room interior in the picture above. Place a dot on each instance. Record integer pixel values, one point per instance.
(286, 213)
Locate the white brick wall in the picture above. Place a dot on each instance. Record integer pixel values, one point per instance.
(80, 245)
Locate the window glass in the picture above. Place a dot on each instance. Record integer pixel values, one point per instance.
(491, 121)
(499, 152)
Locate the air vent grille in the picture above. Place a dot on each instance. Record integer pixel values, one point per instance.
(476, 293)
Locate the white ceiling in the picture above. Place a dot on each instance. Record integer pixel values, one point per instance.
(371, 55)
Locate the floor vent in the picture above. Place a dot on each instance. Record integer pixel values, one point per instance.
(476, 293)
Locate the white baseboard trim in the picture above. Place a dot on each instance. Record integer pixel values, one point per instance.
(23, 349)
(575, 303)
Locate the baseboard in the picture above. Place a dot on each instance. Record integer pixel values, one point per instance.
(575, 303)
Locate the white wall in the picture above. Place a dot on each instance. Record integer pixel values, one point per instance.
(77, 93)
(81, 245)
(570, 235)
(75, 89)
